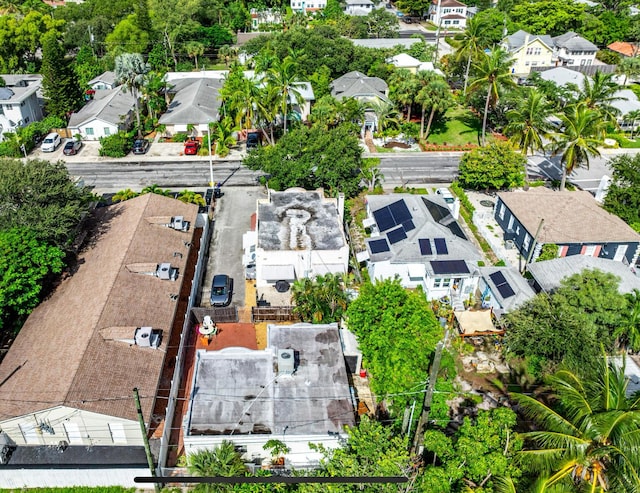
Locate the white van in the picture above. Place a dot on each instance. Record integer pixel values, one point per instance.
(51, 142)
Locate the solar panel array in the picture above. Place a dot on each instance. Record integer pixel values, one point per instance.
(392, 215)
(396, 235)
(449, 267)
(425, 246)
(502, 285)
(441, 246)
(379, 246)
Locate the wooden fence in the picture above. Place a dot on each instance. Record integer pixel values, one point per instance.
(273, 314)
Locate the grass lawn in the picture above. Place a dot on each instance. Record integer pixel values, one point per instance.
(458, 127)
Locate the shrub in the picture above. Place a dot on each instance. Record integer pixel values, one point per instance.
(116, 145)
(180, 137)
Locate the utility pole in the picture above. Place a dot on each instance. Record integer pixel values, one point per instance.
(438, 12)
(533, 245)
(428, 396)
(145, 438)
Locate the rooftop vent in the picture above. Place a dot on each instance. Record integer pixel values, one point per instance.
(179, 224)
(286, 362)
(147, 337)
(166, 272)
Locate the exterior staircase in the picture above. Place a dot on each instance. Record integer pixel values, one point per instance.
(456, 301)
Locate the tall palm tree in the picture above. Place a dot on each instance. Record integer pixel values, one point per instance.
(194, 50)
(470, 45)
(434, 94)
(633, 117)
(492, 71)
(583, 130)
(589, 435)
(386, 113)
(598, 93)
(222, 134)
(529, 125)
(404, 87)
(130, 70)
(283, 75)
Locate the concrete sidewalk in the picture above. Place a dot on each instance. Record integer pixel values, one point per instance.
(158, 152)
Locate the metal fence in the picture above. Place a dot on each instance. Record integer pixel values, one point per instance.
(177, 372)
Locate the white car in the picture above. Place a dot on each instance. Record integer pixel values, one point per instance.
(446, 195)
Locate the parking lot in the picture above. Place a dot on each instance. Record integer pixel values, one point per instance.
(232, 218)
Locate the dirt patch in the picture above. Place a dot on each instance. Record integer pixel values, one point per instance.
(396, 145)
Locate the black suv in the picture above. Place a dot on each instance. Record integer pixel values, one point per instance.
(253, 140)
(140, 146)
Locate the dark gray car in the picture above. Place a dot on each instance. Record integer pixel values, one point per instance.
(221, 290)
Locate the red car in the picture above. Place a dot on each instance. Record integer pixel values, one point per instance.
(191, 147)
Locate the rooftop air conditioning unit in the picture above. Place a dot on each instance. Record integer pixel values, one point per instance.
(178, 223)
(166, 272)
(147, 337)
(286, 362)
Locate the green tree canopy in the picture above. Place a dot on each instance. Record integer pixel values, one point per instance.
(570, 325)
(25, 262)
(588, 435)
(496, 166)
(397, 333)
(59, 82)
(623, 195)
(320, 300)
(312, 158)
(554, 17)
(39, 195)
(480, 451)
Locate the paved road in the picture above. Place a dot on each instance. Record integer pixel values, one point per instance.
(111, 177)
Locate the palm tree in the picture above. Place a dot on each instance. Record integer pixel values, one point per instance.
(403, 89)
(630, 67)
(320, 300)
(598, 93)
(156, 189)
(123, 195)
(194, 50)
(633, 117)
(325, 112)
(220, 461)
(589, 435)
(629, 330)
(582, 131)
(386, 114)
(130, 70)
(434, 94)
(283, 75)
(223, 135)
(190, 197)
(529, 122)
(470, 46)
(493, 71)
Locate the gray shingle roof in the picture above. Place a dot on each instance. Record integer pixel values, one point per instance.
(523, 292)
(566, 216)
(107, 77)
(573, 42)
(195, 101)
(356, 84)
(563, 76)
(517, 40)
(109, 105)
(549, 273)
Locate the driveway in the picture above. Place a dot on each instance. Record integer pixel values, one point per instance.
(232, 218)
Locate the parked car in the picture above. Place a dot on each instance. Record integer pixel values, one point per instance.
(140, 146)
(191, 147)
(446, 195)
(72, 147)
(253, 140)
(221, 290)
(51, 142)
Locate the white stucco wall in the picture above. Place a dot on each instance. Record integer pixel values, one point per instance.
(306, 263)
(97, 129)
(60, 478)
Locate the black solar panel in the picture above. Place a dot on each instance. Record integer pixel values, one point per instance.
(425, 246)
(379, 246)
(449, 267)
(441, 246)
(400, 211)
(384, 219)
(408, 226)
(502, 285)
(396, 235)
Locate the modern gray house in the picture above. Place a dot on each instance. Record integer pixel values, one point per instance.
(573, 221)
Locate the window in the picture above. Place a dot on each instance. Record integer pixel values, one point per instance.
(107, 131)
(538, 51)
(446, 23)
(510, 226)
(456, 22)
(534, 64)
(446, 282)
(89, 131)
(501, 211)
(527, 242)
(437, 282)
(583, 62)
(526, 64)
(117, 433)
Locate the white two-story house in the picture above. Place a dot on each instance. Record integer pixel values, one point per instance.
(450, 14)
(19, 103)
(572, 50)
(307, 6)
